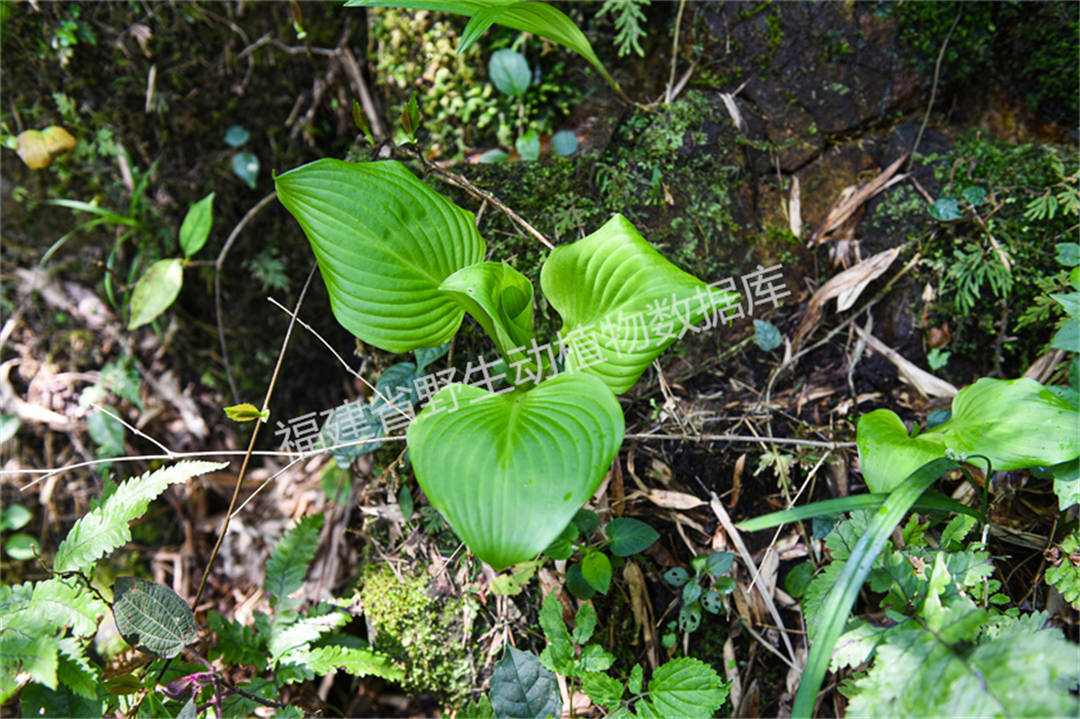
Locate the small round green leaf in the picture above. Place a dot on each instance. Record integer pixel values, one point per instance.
(629, 536)
(155, 291)
(22, 546)
(151, 617)
(586, 520)
(766, 335)
(724, 585)
(596, 568)
(719, 563)
(564, 143)
(245, 165)
(528, 145)
(509, 71)
(689, 617)
(576, 584)
(14, 517)
(711, 602)
(690, 592)
(676, 576)
(9, 425)
(974, 195)
(236, 136)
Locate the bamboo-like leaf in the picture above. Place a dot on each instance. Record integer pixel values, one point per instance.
(508, 471)
(608, 288)
(384, 242)
(837, 605)
(927, 503)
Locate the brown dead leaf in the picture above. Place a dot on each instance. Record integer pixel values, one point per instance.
(736, 479)
(925, 383)
(846, 288)
(670, 499)
(852, 198)
(731, 672)
(641, 608)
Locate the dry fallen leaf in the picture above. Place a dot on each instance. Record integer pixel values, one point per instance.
(925, 383)
(670, 499)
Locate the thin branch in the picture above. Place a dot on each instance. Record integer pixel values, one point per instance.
(933, 91)
(742, 438)
(218, 264)
(134, 429)
(670, 94)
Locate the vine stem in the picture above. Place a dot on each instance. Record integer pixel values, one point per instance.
(251, 444)
(933, 91)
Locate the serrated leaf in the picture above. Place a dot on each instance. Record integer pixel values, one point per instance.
(603, 287)
(594, 658)
(602, 689)
(629, 536)
(105, 528)
(236, 643)
(946, 209)
(75, 670)
(288, 563)
(35, 656)
(357, 661)
(155, 291)
(584, 624)
(533, 456)
(686, 687)
(245, 412)
(558, 656)
(195, 228)
(384, 242)
(521, 687)
(152, 617)
(286, 639)
(1065, 576)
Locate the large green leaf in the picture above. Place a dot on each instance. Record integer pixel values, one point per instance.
(622, 303)
(384, 241)
(509, 470)
(152, 617)
(522, 688)
(1016, 423)
(498, 297)
(684, 687)
(887, 454)
(535, 17)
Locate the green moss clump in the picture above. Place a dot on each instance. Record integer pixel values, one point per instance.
(428, 636)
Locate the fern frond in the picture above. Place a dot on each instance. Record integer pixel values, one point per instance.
(303, 632)
(34, 655)
(1065, 577)
(358, 661)
(46, 608)
(105, 528)
(75, 670)
(288, 563)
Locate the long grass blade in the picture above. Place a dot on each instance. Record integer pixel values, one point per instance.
(928, 502)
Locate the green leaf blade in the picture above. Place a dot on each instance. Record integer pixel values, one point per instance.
(521, 687)
(384, 242)
(195, 228)
(152, 617)
(155, 291)
(288, 563)
(499, 298)
(887, 454)
(686, 687)
(509, 471)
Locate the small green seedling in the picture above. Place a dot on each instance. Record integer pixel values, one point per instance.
(697, 594)
(592, 574)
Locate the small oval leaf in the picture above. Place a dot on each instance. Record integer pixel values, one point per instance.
(564, 143)
(155, 291)
(629, 536)
(151, 617)
(245, 165)
(528, 145)
(676, 576)
(196, 226)
(596, 568)
(509, 71)
(245, 412)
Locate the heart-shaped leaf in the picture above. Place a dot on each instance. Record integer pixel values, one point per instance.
(508, 471)
(498, 297)
(384, 242)
(887, 454)
(1016, 423)
(622, 303)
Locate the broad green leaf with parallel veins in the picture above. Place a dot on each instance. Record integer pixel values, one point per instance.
(384, 242)
(606, 287)
(498, 297)
(1016, 423)
(887, 454)
(508, 471)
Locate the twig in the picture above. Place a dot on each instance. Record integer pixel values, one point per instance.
(251, 444)
(670, 94)
(459, 181)
(742, 438)
(135, 430)
(933, 91)
(218, 264)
